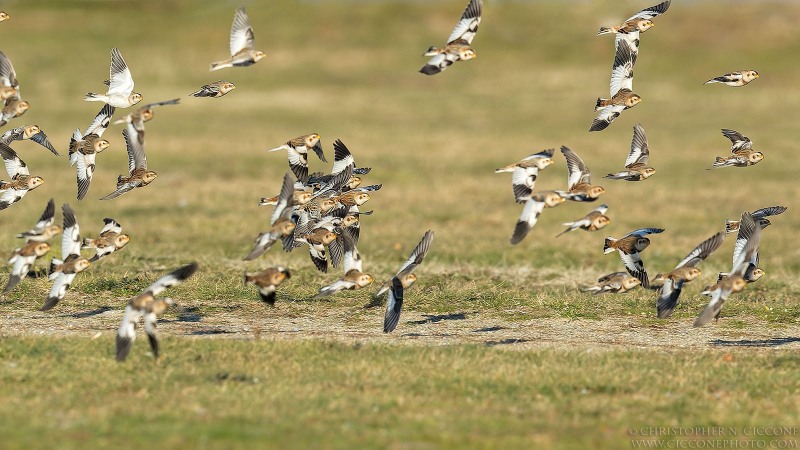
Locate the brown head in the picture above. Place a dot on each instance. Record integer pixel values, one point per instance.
(361, 198)
(328, 237)
(749, 75)
(41, 248)
(148, 177)
(466, 53)
(52, 230)
(648, 172)
(327, 205)
(632, 100)
(364, 280)
(755, 157)
(630, 283)
(121, 241)
(641, 243)
(552, 199)
(4, 16)
(408, 280)
(644, 25)
(30, 130)
(34, 182)
(258, 55)
(300, 197)
(692, 273)
(354, 182)
(21, 107)
(311, 140)
(100, 145)
(284, 227)
(349, 220)
(755, 275)
(601, 222)
(81, 265)
(595, 191)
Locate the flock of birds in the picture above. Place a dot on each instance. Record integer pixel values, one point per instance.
(322, 211)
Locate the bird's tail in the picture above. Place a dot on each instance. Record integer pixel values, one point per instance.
(601, 103)
(218, 65)
(731, 226)
(92, 97)
(608, 245)
(713, 80)
(55, 267)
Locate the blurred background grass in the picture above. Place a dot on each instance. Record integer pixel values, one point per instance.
(348, 70)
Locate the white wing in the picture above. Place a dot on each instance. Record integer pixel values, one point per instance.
(241, 32)
(467, 26)
(120, 79)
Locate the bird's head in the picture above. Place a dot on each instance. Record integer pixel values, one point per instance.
(34, 182)
(30, 130)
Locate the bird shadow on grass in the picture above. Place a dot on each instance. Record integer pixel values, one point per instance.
(505, 342)
(434, 318)
(90, 313)
(775, 342)
(489, 329)
(189, 314)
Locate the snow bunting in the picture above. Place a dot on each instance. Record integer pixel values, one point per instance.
(32, 132)
(214, 90)
(639, 22)
(120, 85)
(297, 149)
(742, 153)
(242, 44)
(525, 171)
(684, 272)
(629, 247)
(21, 179)
(402, 281)
(458, 46)
(23, 258)
(353, 279)
(613, 283)
(579, 179)
(138, 175)
(735, 79)
(622, 96)
(110, 240)
(147, 306)
(281, 224)
(268, 281)
(44, 230)
(83, 148)
(593, 221)
(64, 270)
(760, 216)
(534, 205)
(636, 163)
(4, 16)
(9, 86)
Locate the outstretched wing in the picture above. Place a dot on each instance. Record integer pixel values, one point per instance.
(394, 305)
(653, 11)
(467, 26)
(241, 32)
(120, 78)
(174, 278)
(738, 140)
(417, 255)
(622, 70)
(702, 251)
(640, 153)
(577, 172)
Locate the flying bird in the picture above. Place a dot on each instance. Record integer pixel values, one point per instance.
(297, 150)
(13, 105)
(534, 205)
(629, 247)
(120, 85)
(735, 79)
(622, 95)
(148, 306)
(684, 272)
(403, 279)
(353, 279)
(242, 44)
(267, 282)
(760, 216)
(579, 179)
(22, 259)
(44, 230)
(83, 148)
(32, 132)
(595, 220)
(742, 153)
(64, 270)
(281, 224)
(613, 283)
(525, 171)
(138, 175)
(636, 168)
(459, 43)
(639, 22)
(745, 254)
(110, 240)
(214, 90)
(21, 180)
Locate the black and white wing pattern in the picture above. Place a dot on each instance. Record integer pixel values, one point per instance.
(242, 37)
(653, 11)
(45, 220)
(640, 152)
(577, 172)
(467, 26)
(530, 215)
(120, 78)
(739, 141)
(394, 305)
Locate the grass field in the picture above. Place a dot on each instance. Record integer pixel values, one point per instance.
(497, 347)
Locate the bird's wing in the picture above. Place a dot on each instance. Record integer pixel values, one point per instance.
(101, 121)
(394, 305)
(120, 78)
(14, 165)
(653, 11)
(640, 153)
(702, 251)
(173, 278)
(241, 33)
(576, 169)
(622, 70)
(417, 255)
(467, 26)
(738, 140)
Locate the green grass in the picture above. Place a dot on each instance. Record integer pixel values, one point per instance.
(323, 394)
(348, 70)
